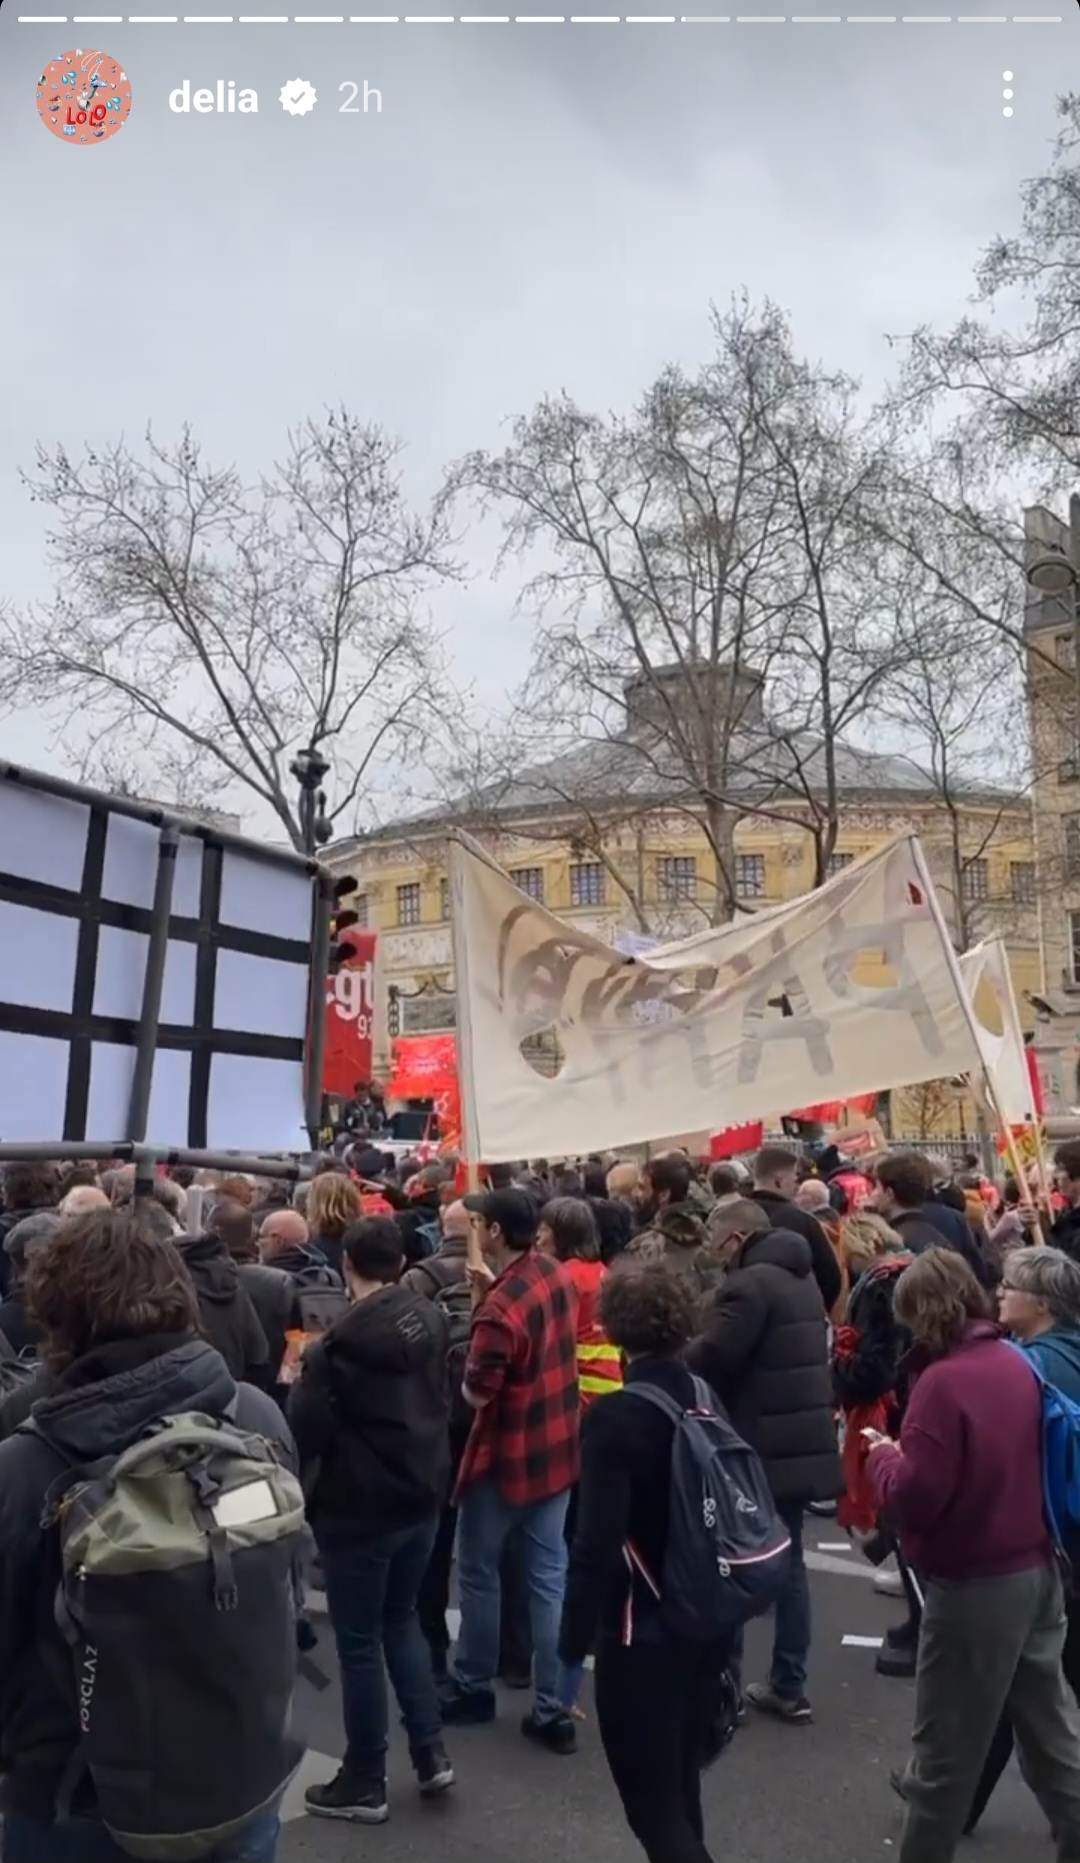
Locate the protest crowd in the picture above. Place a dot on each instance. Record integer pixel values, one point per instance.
(401, 1390)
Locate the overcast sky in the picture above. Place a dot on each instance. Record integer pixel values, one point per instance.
(537, 207)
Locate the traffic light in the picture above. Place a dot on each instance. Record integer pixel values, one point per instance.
(342, 918)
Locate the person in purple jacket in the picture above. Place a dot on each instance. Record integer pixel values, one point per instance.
(964, 1490)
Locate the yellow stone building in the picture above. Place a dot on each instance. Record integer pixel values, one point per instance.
(653, 873)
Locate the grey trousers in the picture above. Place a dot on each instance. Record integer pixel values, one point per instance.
(987, 1647)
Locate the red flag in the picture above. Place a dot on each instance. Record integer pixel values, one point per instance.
(735, 1139)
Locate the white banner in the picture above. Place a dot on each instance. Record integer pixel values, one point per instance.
(985, 970)
(850, 989)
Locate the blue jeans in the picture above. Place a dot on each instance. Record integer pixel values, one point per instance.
(371, 1590)
(28, 1841)
(484, 1521)
(791, 1639)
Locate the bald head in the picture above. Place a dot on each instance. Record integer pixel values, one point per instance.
(83, 1197)
(813, 1195)
(622, 1180)
(281, 1231)
(455, 1222)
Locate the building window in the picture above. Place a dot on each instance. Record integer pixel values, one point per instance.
(975, 881)
(750, 876)
(530, 880)
(1022, 875)
(1071, 825)
(408, 905)
(1074, 946)
(837, 863)
(360, 907)
(444, 900)
(678, 876)
(587, 883)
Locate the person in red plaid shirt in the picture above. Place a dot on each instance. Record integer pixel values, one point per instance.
(521, 1459)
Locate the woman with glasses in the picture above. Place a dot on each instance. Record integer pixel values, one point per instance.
(964, 1489)
(1039, 1304)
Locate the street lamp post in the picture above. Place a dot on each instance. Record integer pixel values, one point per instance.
(310, 767)
(1055, 573)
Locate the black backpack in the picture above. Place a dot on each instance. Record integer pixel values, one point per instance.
(15, 1367)
(321, 1299)
(454, 1301)
(727, 1551)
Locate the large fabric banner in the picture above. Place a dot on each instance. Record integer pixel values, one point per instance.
(848, 990)
(348, 1057)
(985, 970)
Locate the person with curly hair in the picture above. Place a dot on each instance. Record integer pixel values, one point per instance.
(964, 1487)
(654, 1693)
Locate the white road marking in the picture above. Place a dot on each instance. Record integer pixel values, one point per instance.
(863, 1643)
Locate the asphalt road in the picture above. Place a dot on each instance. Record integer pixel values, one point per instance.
(779, 1795)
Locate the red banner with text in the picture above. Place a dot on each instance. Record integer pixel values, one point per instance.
(350, 1016)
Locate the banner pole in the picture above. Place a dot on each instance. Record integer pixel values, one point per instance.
(466, 1076)
(969, 1015)
(1017, 1034)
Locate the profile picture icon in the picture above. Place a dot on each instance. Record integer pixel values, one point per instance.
(84, 96)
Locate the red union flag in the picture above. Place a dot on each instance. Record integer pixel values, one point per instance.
(350, 1015)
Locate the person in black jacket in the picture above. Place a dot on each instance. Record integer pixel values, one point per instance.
(270, 1290)
(1065, 1229)
(229, 1319)
(28, 1187)
(655, 1694)
(120, 1318)
(22, 1238)
(764, 1350)
(775, 1182)
(903, 1194)
(370, 1419)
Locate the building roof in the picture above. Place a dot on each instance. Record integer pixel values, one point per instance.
(608, 775)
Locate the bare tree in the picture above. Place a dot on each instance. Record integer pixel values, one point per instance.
(955, 695)
(698, 550)
(932, 1108)
(204, 631)
(993, 403)
(1017, 386)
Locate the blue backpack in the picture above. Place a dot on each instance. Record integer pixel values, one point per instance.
(727, 1551)
(1061, 1461)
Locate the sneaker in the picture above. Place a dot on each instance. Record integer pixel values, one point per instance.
(903, 1636)
(434, 1772)
(355, 1801)
(782, 1707)
(888, 1583)
(466, 1707)
(559, 1734)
